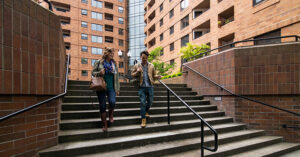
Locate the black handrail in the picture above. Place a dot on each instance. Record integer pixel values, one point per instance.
(243, 41)
(42, 102)
(49, 4)
(201, 119)
(240, 96)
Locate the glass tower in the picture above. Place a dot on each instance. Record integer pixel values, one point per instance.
(136, 27)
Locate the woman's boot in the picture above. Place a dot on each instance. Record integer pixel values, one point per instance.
(104, 122)
(111, 115)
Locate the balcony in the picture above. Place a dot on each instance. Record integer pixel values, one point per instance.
(226, 40)
(151, 17)
(109, 5)
(226, 17)
(65, 20)
(109, 39)
(202, 29)
(109, 28)
(151, 43)
(66, 33)
(151, 30)
(151, 3)
(201, 8)
(108, 16)
(61, 7)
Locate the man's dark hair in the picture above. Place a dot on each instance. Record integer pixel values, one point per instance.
(144, 52)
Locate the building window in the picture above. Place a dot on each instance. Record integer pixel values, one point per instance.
(93, 61)
(121, 31)
(121, 9)
(96, 51)
(172, 47)
(96, 27)
(120, 0)
(172, 62)
(161, 37)
(109, 28)
(184, 4)
(84, 49)
(171, 30)
(108, 5)
(257, 2)
(171, 13)
(121, 42)
(83, 12)
(68, 46)
(96, 39)
(121, 20)
(121, 64)
(184, 22)
(84, 73)
(96, 3)
(197, 13)
(161, 7)
(84, 36)
(184, 40)
(83, 24)
(161, 52)
(84, 61)
(109, 39)
(161, 22)
(84, 1)
(66, 33)
(96, 15)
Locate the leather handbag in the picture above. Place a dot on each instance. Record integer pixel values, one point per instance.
(97, 84)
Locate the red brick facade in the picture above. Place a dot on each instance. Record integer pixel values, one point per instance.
(270, 74)
(32, 63)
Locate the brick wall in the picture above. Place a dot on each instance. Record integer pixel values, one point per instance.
(269, 73)
(174, 80)
(32, 63)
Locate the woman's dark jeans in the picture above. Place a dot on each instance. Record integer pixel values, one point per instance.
(111, 96)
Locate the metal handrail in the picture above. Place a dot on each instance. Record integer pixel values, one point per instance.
(243, 41)
(49, 4)
(240, 96)
(197, 115)
(42, 102)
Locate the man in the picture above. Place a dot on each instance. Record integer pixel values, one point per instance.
(146, 73)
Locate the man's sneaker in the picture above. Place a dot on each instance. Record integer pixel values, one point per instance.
(147, 115)
(143, 125)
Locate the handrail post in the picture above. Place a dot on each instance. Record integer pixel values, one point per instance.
(296, 38)
(202, 139)
(168, 106)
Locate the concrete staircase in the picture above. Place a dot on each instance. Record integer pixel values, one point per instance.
(81, 134)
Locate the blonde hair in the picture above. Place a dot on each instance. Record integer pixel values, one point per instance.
(107, 50)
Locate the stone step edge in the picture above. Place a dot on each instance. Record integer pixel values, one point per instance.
(134, 102)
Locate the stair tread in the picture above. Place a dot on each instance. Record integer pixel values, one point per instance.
(268, 149)
(132, 138)
(79, 96)
(134, 102)
(134, 109)
(150, 125)
(292, 154)
(229, 146)
(135, 117)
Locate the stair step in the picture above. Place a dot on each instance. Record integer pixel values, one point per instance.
(224, 123)
(235, 147)
(133, 111)
(95, 122)
(110, 144)
(131, 88)
(125, 93)
(74, 82)
(126, 98)
(133, 104)
(272, 150)
(292, 154)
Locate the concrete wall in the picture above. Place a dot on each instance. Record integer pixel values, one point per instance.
(32, 63)
(270, 74)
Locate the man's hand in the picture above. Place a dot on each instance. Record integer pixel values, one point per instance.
(118, 93)
(139, 69)
(159, 77)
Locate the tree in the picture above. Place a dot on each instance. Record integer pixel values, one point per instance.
(162, 67)
(191, 50)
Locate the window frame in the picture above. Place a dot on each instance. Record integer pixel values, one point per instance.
(120, 22)
(171, 30)
(83, 50)
(87, 74)
(84, 1)
(83, 38)
(172, 46)
(171, 15)
(84, 61)
(183, 23)
(255, 3)
(84, 26)
(82, 13)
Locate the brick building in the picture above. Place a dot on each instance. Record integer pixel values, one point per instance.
(89, 26)
(171, 24)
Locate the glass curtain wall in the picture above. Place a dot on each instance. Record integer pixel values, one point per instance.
(136, 27)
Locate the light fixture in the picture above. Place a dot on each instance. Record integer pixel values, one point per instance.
(120, 53)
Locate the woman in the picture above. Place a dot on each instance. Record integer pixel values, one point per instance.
(106, 67)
